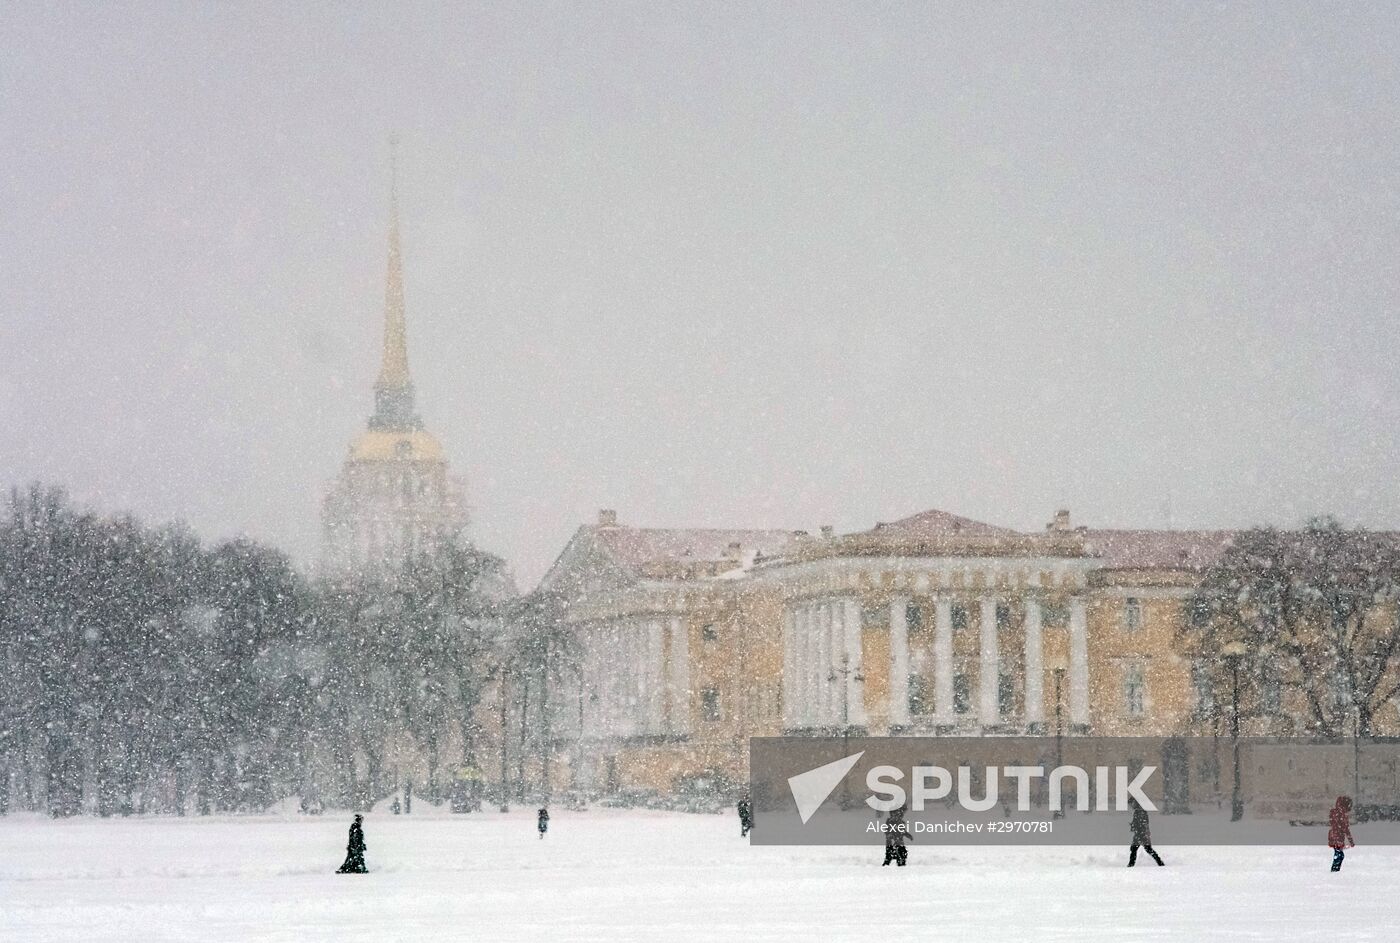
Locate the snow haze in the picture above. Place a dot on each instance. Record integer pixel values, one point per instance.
(712, 265)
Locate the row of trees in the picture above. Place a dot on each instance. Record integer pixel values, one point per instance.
(1299, 629)
(147, 672)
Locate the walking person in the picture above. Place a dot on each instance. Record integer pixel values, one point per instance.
(745, 817)
(896, 837)
(1339, 831)
(542, 821)
(355, 850)
(1142, 835)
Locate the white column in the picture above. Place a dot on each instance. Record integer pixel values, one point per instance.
(854, 689)
(1078, 662)
(825, 689)
(899, 660)
(656, 677)
(789, 667)
(943, 659)
(616, 682)
(588, 678)
(811, 656)
(634, 656)
(678, 673)
(988, 677)
(1035, 664)
(804, 673)
(835, 647)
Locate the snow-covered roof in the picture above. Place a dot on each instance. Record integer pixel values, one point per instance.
(637, 547)
(935, 524)
(1157, 549)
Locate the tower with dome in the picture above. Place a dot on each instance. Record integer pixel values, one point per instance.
(395, 495)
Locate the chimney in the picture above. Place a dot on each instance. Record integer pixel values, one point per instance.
(1060, 523)
(607, 518)
(828, 531)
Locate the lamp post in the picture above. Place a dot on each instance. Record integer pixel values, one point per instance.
(505, 769)
(1234, 653)
(844, 672)
(1058, 666)
(1356, 755)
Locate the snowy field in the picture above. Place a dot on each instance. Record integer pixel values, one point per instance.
(612, 875)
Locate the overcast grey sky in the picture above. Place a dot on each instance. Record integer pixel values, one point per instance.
(717, 264)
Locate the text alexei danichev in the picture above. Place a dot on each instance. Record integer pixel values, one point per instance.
(967, 828)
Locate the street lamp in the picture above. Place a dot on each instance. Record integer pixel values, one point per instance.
(1234, 652)
(844, 672)
(505, 667)
(1058, 666)
(1356, 754)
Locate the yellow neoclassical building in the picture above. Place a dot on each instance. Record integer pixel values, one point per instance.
(692, 641)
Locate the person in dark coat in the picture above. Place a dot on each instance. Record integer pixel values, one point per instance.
(355, 850)
(1339, 831)
(745, 817)
(1142, 835)
(896, 838)
(542, 822)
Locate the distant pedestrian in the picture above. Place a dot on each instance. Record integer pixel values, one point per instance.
(1339, 831)
(1142, 835)
(896, 838)
(745, 817)
(396, 808)
(542, 822)
(355, 850)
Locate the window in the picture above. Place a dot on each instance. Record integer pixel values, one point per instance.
(875, 617)
(914, 617)
(1341, 691)
(709, 703)
(962, 693)
(1198, 612)
(1270, 690)
(1132, 614)
(959, 614)
(920, 695)
(1006, 695)
(1003, 615)
(1053, 615)
(1134, 691)
(709, 633)
(1203, 684)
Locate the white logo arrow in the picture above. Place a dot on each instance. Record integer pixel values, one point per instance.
(810, 789)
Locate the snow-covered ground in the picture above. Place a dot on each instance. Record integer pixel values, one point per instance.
(612, 875)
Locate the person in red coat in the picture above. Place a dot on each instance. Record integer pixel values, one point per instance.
(1339, 830)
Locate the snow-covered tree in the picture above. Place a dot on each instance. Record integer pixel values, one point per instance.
(1308, 621)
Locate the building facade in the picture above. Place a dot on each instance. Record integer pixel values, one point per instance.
(395, 495)
(693, 641)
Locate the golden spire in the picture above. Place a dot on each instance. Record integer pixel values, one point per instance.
(393, 372)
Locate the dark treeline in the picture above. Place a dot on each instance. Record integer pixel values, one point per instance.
(146, 672)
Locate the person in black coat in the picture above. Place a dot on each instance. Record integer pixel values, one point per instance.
(896, 838)
(1142, 835)
(745, 817)
(355, 850)
(542, 822)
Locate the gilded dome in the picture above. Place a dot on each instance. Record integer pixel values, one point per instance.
(383, 445)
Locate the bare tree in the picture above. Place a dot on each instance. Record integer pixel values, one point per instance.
(1308, 613)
